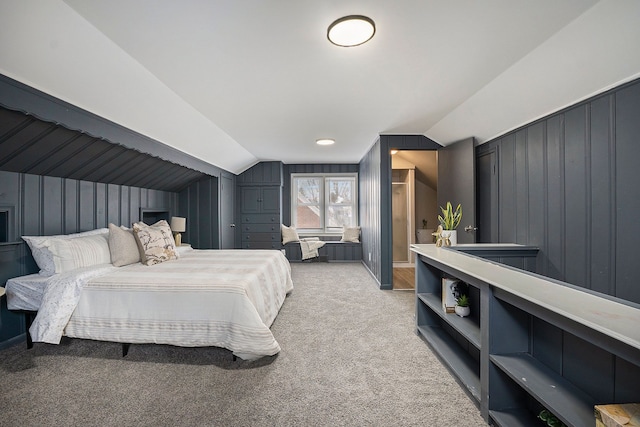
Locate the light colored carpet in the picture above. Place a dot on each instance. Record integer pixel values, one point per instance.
(349, 357)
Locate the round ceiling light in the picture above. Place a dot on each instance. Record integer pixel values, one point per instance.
(325, 141)
(352, 30)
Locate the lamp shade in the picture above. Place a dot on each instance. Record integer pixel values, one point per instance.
(178, 224)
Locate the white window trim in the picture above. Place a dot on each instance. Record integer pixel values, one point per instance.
(323, 230)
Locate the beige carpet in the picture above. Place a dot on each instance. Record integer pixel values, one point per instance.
(349, 357)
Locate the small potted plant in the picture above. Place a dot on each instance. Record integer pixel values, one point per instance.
(550, 419)
(449, 220)
(462, 306)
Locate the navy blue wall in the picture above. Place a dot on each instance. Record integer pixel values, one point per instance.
(568, 184)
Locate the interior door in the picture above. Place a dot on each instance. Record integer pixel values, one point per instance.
(457, 184)
(227, 227)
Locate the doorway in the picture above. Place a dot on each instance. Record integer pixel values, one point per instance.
(414, 210)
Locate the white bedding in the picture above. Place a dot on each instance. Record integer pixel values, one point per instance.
(224, 298)
(25, 292)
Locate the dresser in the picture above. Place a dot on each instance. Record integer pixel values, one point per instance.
(260, 206)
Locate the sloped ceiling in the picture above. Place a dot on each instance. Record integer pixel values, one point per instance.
(34, 146)
(233, 83)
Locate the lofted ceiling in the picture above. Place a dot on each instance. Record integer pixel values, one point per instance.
(237, 82)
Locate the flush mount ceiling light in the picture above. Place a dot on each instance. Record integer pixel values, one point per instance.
(325, 141)
(352, 30)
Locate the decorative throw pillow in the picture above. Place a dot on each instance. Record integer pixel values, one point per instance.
(351, 234)
(69, 254)
(289, 234)
(122, 246)
(39, 246)
(155, 242)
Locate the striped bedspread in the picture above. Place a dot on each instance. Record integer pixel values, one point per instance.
(222, 298)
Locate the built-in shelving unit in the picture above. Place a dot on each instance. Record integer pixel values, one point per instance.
(530, 342)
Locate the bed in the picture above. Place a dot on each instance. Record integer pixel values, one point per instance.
(221, 298)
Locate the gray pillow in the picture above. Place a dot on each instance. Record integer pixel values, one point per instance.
(122, 246)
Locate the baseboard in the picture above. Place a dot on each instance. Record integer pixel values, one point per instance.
(22, 338)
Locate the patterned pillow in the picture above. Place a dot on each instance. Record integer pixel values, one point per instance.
(155, 242)
(39, 246)
(351, 234)
(69, 254)
(289, 234)
(123, 246)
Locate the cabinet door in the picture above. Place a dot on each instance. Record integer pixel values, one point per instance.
(250, 197)
(271, 200)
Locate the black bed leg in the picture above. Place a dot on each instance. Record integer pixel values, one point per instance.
(28, 320)
(125, 348)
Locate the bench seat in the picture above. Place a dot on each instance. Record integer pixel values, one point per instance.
(333, 251)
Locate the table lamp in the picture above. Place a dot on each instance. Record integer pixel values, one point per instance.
(178, 225)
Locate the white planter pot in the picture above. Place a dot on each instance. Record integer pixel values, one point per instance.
(462, 311)
(452, 235)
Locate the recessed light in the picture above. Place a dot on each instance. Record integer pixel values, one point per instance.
(352, 30)
(325, 141)
(393, 151)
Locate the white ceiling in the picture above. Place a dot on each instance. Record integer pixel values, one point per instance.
(236, 82)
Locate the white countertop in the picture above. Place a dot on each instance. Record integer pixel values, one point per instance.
(615, 319)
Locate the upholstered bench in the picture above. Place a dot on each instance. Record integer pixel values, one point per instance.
(333, 251)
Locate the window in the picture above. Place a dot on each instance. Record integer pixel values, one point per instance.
(324, 203)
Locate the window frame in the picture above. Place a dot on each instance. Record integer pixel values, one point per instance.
(323, 203)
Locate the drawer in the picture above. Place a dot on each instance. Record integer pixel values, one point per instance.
(261, 237)
(261, 219)
(260, 228)
(261, 245)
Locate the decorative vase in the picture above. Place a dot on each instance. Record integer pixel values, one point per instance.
(462, 311)
(452, 235)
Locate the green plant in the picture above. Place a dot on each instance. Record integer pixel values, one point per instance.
(550, 419)
(450, 219)
(462, 301)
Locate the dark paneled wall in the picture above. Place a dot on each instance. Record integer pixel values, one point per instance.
(307, 168)
(41, 205)
(569, 184)
(198, 203)
(369, 193)
(375, 202)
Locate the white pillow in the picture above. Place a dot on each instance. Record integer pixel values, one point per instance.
(122, 246)
(289, 234)
(69, 254)
(351, 234)
(39, 246)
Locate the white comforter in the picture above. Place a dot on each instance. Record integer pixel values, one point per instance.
(223, 298)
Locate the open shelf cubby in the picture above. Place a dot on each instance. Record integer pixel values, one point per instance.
(531, 343)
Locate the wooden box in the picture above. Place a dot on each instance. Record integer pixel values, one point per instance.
(626, 415)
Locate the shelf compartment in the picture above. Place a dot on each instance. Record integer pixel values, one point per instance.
(566, 401)
(459, 362)
(465, 326)
(513, 418)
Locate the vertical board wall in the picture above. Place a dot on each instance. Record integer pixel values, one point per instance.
(569, 184)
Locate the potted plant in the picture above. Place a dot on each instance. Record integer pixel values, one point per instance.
(462, 306)
(550, 419)
(449, 220)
